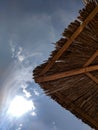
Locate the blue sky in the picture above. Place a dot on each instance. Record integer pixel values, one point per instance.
(27, 29)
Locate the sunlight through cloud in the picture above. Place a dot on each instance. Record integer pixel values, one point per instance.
(19, 106)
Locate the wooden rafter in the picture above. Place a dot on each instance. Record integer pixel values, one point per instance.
(90, 60)
(85, 70)
(70, 40)
(92, 77)
(66, 74)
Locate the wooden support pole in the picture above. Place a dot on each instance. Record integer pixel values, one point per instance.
(66, 74)
(70, 40)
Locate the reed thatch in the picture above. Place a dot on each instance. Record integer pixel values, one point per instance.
(70, 75)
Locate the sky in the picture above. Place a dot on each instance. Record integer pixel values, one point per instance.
(27, 29)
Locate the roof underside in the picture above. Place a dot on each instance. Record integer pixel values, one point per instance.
(70, 75)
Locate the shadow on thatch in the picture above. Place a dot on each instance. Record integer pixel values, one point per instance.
(70, 75)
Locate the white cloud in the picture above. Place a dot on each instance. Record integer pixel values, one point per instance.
(20, 58)
(27, 94)
(18, 75)
(12, 47)
(36, 92)
(34, 114)
(16, 51)
(19, 55)
(54, 125)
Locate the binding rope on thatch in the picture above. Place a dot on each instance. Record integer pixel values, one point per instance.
(70, 75)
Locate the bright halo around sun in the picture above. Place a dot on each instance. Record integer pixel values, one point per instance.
(19, 106)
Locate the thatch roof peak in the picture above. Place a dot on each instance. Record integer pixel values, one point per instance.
(70, 75)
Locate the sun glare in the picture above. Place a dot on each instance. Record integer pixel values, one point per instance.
(19, 106)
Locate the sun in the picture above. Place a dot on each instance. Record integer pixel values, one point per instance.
(19, 106)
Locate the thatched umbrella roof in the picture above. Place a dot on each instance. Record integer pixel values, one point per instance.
(70, 75)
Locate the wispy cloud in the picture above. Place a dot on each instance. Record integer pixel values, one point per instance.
(30, 37)
(19, 74)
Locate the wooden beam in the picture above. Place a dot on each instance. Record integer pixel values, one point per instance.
(92, 77)
(66, 74)
(70, 40)
(90, 60)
